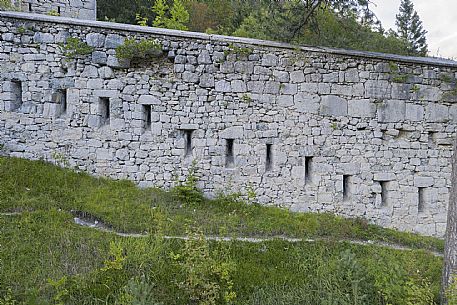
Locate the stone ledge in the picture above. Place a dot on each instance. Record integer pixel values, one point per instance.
(202, 36)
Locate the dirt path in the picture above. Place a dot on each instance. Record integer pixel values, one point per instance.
(98, 225)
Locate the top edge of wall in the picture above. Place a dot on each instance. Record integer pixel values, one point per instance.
(231, 39)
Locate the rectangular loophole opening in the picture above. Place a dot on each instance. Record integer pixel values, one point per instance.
(58, 10)
(421, 199)
(432, 137)
(30, 7)
(308, 170)
(384, 193)
(269, 158)
(346, 187)
(187, 134)
(229, 155)
(16, 92)
(147, 119)
(62, 101)
(105, 110)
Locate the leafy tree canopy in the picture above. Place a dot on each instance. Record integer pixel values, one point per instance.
(346, 24)
(6, 5)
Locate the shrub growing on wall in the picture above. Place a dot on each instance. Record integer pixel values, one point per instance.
(143, 49)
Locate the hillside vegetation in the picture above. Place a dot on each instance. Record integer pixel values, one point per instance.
(46, 258)
(348, 24)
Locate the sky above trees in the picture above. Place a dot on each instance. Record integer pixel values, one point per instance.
(438, 17)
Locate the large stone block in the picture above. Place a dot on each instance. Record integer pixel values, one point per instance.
(436, 113)
(115, 62)
(384, 177)
(238, 86)
(377, 89)
(234, 132)
(453, 114)
(99, 57)
(43, 38)
(285, 100)
(428, 93)
(306, 102)
(204, 58)
(112, 41)
(256, 86)
(244, 67)
(401, 91)
(351, 76)
(414, 113)
(361, 109)
(106, 93)
(190, 77)
(95, 40)
(331, 77)
(289, 89)
(333, 105)
(272, 87)
(281, 76)
(297, 77)
(223, 86)
(270, 60)
(149, 100)
(423, 181)
(392, 111)
(207, 80)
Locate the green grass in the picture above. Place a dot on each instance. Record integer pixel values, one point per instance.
(37, 246)
(43, 243)
(36, 185)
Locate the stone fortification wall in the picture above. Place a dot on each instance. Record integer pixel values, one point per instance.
(81, 9)
(311, 129)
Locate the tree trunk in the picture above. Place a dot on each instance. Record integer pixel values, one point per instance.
(450, 249)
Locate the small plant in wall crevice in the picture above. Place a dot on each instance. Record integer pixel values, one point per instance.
(241, 51)
(396, 75)
(53, 13)
(74, 47)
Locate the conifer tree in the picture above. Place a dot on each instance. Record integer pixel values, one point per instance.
(410, 29)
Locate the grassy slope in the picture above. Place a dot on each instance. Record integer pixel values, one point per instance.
(45, 243)
(41, 245)
(27, 185)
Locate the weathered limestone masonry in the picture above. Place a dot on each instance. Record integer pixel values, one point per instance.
(81, 9)
(311, 129)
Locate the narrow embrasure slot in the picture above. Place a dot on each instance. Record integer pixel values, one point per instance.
(229, 155)
(105, 110)
(308, 169)
(421, 199)
(147, 113)
(62, 95)
(346, 187)
(384, 193)
(188, 141)
(17, 94)
(269, 157)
